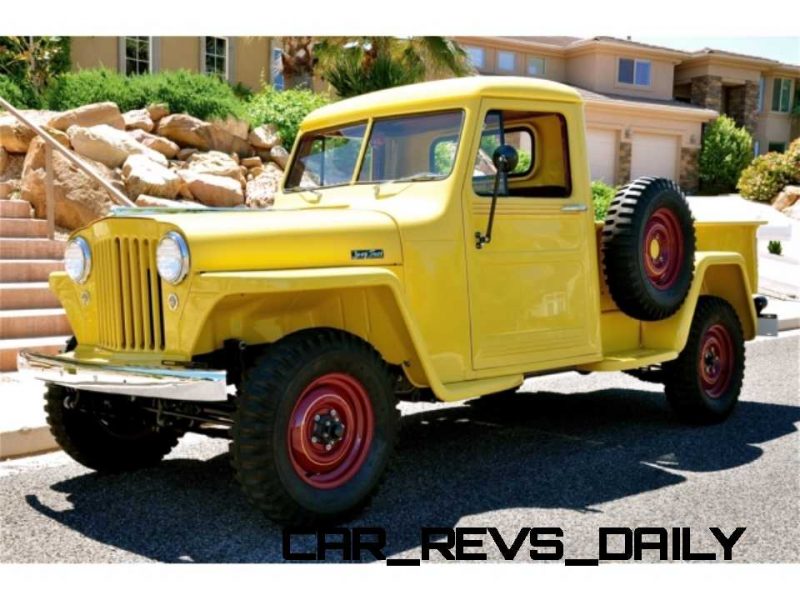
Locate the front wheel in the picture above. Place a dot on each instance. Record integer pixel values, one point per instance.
(703, 383)
(315, 426)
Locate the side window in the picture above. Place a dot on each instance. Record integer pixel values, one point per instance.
(541, 143)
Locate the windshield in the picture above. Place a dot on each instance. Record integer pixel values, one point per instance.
(418, 147)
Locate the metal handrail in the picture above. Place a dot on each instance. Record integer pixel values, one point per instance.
(50, 144)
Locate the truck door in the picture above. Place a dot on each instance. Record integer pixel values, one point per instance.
(534, 299)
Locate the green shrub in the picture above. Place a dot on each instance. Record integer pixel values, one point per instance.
(16, 94)
(203, 96)
(793, 160)
(285, 110)
(767, 175)
(775, 247)
(726, 151)
(602, 195)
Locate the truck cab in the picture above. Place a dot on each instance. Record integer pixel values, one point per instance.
(434, 241)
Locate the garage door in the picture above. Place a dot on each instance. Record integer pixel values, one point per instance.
(655, 155)
(602, 148)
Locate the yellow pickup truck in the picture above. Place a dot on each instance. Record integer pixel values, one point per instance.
(430, 242)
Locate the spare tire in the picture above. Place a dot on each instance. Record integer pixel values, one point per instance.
(648, 248)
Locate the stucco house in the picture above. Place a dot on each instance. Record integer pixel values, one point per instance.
(645, 105)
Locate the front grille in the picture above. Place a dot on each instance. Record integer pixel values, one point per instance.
(128, 294)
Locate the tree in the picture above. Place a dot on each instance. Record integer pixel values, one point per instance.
(357, 65)
(726, 151)
(297, 62)
(32, 62)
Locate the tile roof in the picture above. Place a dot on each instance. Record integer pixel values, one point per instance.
(592, 95)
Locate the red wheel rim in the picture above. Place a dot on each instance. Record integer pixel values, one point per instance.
(330, 430)
(663, 248)
(716, 361)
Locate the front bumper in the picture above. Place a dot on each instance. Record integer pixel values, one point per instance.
(169, 383)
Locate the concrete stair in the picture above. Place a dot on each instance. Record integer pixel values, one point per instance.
(30, 315)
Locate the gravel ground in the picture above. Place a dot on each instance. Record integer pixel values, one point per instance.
(570, 451)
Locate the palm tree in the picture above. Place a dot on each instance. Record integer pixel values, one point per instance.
(356, 65)
(296, 61)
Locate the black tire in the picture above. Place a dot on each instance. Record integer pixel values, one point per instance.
(274, 386)
(120, 444)
(646, 287)
(702, 398)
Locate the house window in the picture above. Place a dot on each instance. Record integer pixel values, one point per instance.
(477, 56)
(762, 86)
(535, 66)
(776, 147)
(506, 61)
(633, 72)
(216, 56)
(781, 94)
(138, 51)
(277, 69)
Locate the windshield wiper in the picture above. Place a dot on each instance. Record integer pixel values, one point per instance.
(298, 188)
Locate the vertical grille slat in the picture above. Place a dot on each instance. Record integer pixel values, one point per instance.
(129, 295)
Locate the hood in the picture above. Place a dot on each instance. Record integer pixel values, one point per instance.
(246, 240)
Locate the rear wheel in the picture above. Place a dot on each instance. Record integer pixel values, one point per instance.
(704, 382)
(315, 426)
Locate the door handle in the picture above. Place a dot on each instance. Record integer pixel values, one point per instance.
(573, 208)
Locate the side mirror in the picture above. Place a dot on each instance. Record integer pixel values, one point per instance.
(505, 158)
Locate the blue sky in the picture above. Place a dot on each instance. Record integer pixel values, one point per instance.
(784, 49)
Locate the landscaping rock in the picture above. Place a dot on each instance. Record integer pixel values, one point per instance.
(15, 137)
(215, 163)
(3, 159)
(8, 187)
(185, 153)
(35, 158)
(79, 199)
(138, 119)
(108, 145)
(13, 167)
(154, 201)
(280, 156)
(261, 190)
(158, 111)
(786, 198)
(143, 176)
(156, 142)
(252, 162)
(211, 190)
(189, 131)
(234, 126)
(265, 137)
(102, 113)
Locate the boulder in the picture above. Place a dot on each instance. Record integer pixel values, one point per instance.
(156, 142)
(108, 145)
(188, 131)
(261, 190)
(155, 202)
(8, 187)
(13, 167)
(102, 113)
(3, 159)
(787, 197)
(15, 136)
(138, 119)
(143, 176)
(185, 153)
(215, 163)
(265, 137)
(158, 111)
(211, 190)
(252, 162)
(234, 126)
(79, 199)
(279, 156)
(35, 158)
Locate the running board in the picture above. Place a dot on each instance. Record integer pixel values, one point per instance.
(631, 359)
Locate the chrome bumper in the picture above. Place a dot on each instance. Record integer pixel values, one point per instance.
(169, 383)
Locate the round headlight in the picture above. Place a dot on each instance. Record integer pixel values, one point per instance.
(172, 257)
(78, 259)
